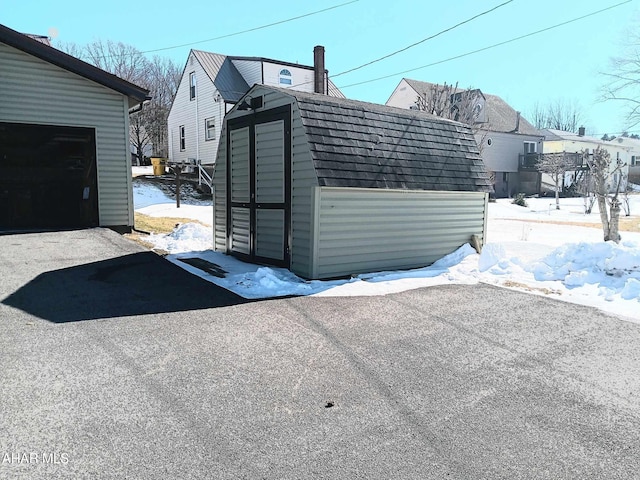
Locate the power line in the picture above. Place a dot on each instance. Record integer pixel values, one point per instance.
(489, 47)
(423, 40)
(252, 29)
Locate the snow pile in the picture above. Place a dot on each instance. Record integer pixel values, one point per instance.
(187, 237)
(601, 274)
(615, 268)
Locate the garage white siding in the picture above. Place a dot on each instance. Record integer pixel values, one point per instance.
(359, 230)
(37, 92)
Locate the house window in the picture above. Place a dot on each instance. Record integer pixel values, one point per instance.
(192, 85)
(634, 160)
(505, 177)
(530, 147)
(209, 129)
(183, 143)
(285, 77)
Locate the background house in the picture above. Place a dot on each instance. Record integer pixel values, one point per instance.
(64, 139)
(502, 135)
(212, 84)
(558, 141)
(633, 145)
(328, 187)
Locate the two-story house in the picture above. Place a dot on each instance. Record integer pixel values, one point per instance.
(502, 133)
(212, 84)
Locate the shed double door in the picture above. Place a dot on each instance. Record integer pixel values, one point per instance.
(259, 187)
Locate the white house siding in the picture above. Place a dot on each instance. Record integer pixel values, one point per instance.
(37, 92)
(251, 70)
(192, 114)
(502, 156)
(301, 78)
(404, 96)
(364, 230)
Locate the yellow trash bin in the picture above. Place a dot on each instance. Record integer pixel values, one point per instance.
(159, 165)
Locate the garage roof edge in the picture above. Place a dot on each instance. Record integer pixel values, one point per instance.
(71, 64)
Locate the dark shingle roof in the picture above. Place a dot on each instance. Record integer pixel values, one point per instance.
(358, 144)
(49, 54)
(501, 117)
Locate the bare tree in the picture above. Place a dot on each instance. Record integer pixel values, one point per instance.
(622, 79)
(560, 114)
(465, 106)
(148, 127)
(448, 101)
(555, 165)
(607, 178)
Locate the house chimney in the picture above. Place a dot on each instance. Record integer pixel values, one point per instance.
(517, 129)
(581, 132)
(318, 69)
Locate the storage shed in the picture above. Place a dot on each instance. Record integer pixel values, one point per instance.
(329, 187)
(64, 139)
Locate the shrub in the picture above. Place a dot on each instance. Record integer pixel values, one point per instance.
(520, 199)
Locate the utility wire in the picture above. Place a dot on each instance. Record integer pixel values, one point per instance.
(489, 47)
(252, 29)
(423, 40)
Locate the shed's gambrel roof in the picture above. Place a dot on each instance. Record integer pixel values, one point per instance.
(501, 117)
(358, 144)
(54, 56)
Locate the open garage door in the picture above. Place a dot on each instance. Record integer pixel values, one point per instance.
(47, 176)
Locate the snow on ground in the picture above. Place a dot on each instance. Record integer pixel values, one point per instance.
(149, 199)
(141, 170)
(565, 262)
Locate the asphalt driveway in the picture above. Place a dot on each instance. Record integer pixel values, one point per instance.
(116, 364)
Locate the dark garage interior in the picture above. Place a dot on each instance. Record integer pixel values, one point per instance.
(48, 176)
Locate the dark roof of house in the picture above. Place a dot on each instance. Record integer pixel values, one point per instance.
(228, 80)
(501, 117)
(56, 57)
(358, 144)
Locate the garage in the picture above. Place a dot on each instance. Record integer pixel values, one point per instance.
(65, 159)
(48, 176)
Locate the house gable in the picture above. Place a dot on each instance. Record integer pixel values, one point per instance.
(498, 115)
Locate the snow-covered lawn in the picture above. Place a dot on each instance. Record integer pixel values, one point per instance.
(523, 251)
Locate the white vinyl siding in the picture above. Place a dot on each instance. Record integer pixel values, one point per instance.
(192, 114)
(37, 92)
(366, 230)
(301, 78)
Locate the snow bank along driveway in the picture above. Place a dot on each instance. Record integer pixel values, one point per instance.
(524, 251)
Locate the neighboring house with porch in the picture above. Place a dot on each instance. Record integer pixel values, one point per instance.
(212, 84)
(574, 144)
(503, 135)
(328, 187)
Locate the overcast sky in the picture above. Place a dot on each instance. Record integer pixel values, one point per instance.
(562, 63)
